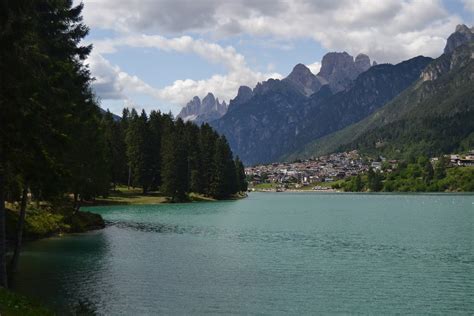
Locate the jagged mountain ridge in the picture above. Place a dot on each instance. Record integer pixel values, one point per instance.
(279, 116)
(337, 71)
(433, 116)
(461, 35)
(207, 110)
(340, 69)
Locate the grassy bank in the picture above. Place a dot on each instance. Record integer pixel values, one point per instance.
(12, 303)
(123, 195)
(134, 196)
(46, 220)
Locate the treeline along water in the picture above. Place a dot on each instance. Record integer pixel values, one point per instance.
(55, 140)
(271, 253)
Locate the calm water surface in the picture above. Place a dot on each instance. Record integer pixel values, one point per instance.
(272, 253)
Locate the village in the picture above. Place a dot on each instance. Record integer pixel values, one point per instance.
(321, 173)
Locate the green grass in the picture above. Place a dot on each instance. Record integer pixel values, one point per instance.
(12, 303)
(46, 220)
(124, 195)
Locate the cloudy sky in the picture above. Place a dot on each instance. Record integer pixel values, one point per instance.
(158, 54)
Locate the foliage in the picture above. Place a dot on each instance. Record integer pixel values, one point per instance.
(418, 176)
(49, 220)
(15, 304)
(173, 157)
(431, 117)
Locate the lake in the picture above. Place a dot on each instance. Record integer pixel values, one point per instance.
(272, 253)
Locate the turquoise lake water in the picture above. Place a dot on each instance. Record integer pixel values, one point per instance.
(272, 253)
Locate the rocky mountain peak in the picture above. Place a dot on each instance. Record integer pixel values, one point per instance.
(462, 35)
(458, 58)
(243, 95)
(362, 62)
(340, 69)
(203, 111)
(299, 70)
(244, 92)
(209, 100)
(462, 28)
(304, 80)
(334, 62)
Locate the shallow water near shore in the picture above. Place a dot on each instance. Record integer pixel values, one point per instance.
(271, 253)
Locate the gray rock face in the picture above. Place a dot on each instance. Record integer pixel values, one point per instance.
(304, 80)
(192, 109)
(340, 69)
(204, 111)
(278, 118)
(462, 35)
(362, 62)
(243, 95)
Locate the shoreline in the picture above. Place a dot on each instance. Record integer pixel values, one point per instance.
(365, 193)
(134, 196)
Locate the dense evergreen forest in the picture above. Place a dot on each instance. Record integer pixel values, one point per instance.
(156, 152)
(56, 144)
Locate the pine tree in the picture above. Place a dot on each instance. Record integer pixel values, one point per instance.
(47, 89)
(155, 135)
(191, 140)
(174, 169)
(115, 149)
(207, 144)
(241, 178)
(138, 150)
(181, 162)
(217, 186)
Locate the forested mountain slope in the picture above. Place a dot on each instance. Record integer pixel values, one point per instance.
(435, 115)
(277, 118)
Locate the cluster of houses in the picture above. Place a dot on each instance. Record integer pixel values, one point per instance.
(463, 160)
(322, 169)
(331, 168)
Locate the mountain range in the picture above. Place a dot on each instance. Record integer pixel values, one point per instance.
(435, 115)
(297, 116)
(207, 110)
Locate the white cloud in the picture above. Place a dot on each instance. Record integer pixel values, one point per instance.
(388, 31)
(385, 30)
(113, 83)
(184, 44)
(314, 67)
(469, 5)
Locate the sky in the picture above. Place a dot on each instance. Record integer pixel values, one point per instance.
(158, 54)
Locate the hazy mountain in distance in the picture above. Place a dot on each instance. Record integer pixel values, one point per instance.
(207, 110)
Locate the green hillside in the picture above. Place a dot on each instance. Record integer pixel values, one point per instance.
(435, 115)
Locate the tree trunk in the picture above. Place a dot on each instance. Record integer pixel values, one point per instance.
(3, 246)
(19, 230)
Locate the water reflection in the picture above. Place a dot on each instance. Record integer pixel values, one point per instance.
(268, 254)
